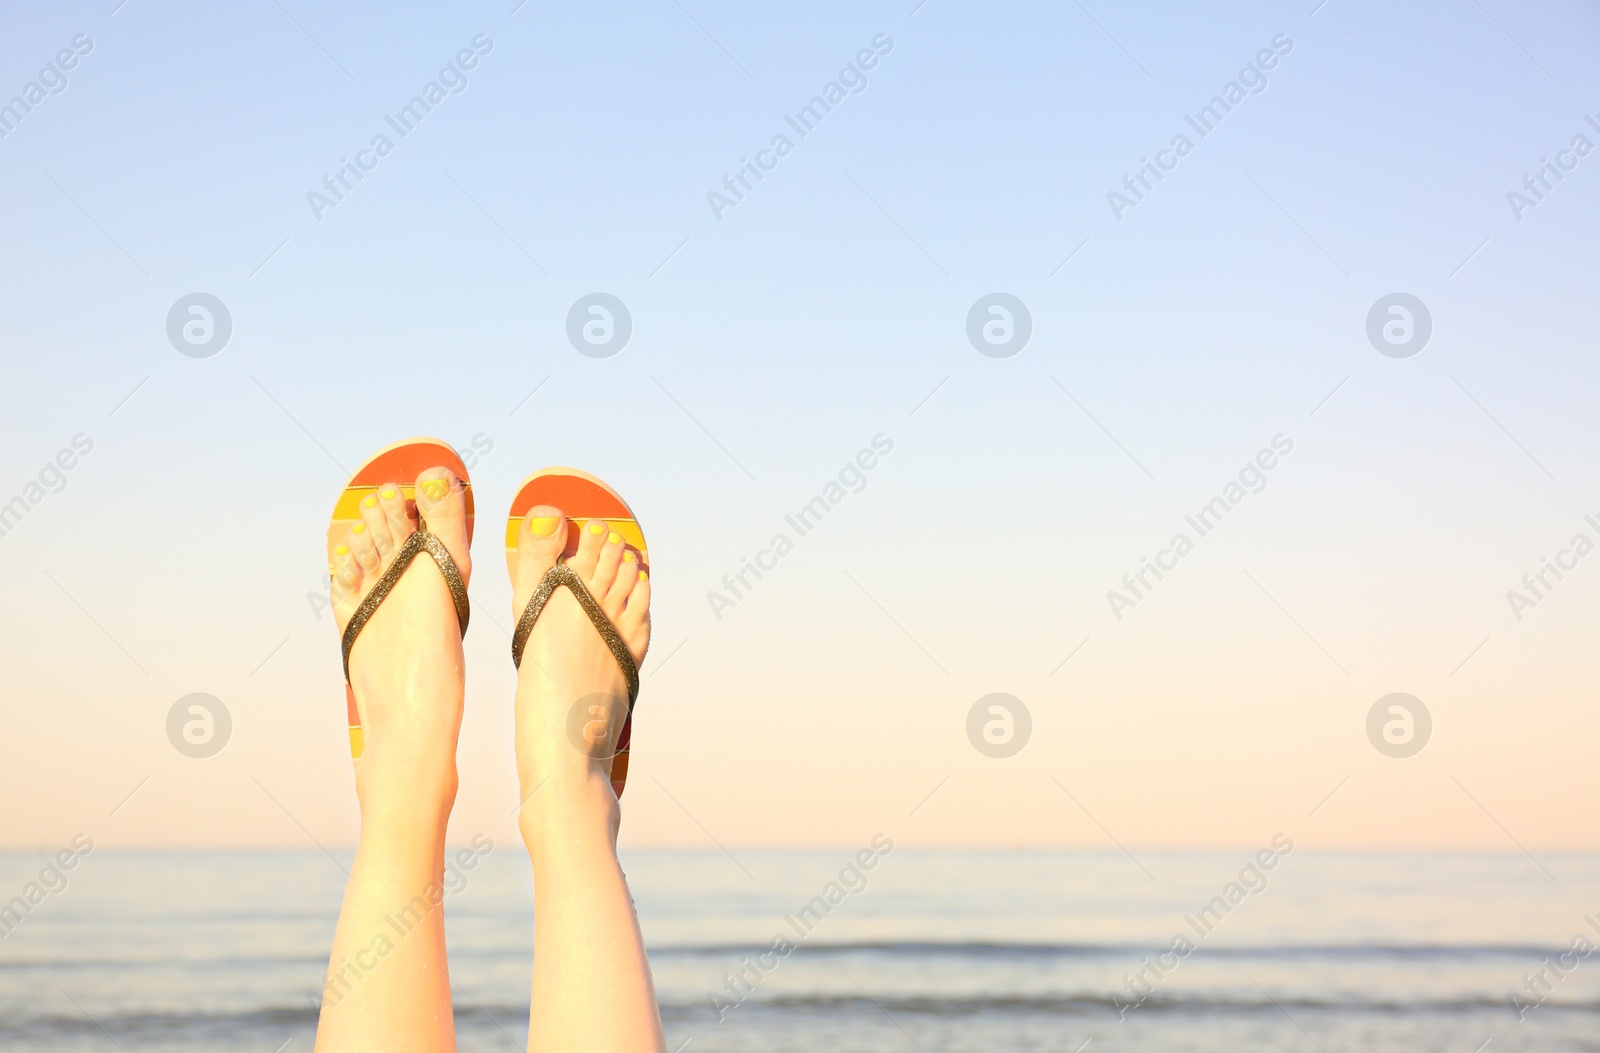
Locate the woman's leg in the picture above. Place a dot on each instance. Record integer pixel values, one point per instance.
(591, 981)
(388, 985)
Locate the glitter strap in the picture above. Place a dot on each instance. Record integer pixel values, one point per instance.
(421, 541)
(559, 575)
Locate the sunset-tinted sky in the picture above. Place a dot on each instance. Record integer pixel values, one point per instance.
(1175, 346)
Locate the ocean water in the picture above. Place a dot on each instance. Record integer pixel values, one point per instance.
(932, 951)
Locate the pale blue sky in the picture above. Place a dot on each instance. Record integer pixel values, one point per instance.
(772, 344)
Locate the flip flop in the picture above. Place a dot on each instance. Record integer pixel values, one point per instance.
(582, 499)
(392, 464)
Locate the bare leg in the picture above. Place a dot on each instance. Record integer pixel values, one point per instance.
(388, 984)
(591, 981)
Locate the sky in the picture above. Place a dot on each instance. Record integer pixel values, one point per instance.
(1182, 334)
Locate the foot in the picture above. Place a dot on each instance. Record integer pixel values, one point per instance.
(572, 697)
(406, 666)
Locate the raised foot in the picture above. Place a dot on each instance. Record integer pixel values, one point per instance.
(572, 696)
(405, 666)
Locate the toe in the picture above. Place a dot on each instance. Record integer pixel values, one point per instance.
(363, 548)
(616, 597)
(590, 543)
(392, 500)
(635, 621)
(540, 539)
(605, 567)
(442, 504)
(345, 586)
(377, 525)
(346, 571)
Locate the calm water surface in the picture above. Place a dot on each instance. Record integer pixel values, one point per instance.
(940, 951)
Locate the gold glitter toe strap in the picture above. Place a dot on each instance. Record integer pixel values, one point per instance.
(421, 541)
(559, 575)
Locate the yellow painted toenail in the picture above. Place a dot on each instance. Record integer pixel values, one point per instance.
(435, 489)
(388, 495)
(369, 501)
(597, 528)
(359, 528)
(643, 576)
(615, 538)
(543, 526)
(627, 557)
(341, 550)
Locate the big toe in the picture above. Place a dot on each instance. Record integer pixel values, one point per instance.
(442, 504)
(541, 536)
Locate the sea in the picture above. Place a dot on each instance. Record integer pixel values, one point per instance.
(930, 951)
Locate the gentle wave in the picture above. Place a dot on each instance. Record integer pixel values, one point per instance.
(136, 1025)
(961, 1006)
(981, 949)
(888, 949)
(168, 960)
